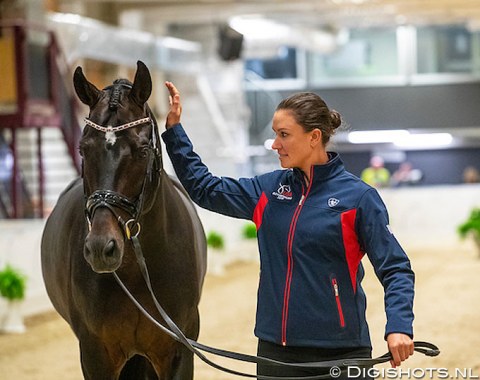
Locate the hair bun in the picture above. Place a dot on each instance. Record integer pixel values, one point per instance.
(336, 119)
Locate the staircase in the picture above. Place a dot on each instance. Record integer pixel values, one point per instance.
(37, 120)
(58, 169)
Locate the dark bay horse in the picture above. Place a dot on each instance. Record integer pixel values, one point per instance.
(124, 192)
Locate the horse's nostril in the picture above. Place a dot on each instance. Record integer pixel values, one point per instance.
(109, 248)
(88, 250)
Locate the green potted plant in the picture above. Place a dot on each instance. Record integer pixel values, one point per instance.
(216, 259)
(249, 231)
(12, 288)
(471, 227)
(215, 240)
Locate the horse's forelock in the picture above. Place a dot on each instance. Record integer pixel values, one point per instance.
(116, 88)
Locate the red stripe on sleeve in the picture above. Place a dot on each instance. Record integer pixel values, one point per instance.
(259, 209)
(353, 253)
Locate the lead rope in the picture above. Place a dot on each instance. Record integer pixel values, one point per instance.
(174, 331)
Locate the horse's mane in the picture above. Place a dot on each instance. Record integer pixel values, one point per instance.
(115, 94)
(115, 88)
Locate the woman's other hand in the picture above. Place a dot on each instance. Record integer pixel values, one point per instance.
(400, 346)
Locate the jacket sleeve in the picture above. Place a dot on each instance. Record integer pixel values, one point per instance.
(390, 263)
(228, 196)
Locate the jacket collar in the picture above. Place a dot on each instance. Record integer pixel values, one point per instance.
(323, 172)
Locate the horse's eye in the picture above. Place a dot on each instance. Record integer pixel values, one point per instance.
(143, 152)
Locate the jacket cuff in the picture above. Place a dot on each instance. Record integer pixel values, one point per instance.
(391, 329)
(171, 132)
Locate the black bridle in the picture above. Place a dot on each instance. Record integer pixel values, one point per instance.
(112, 200)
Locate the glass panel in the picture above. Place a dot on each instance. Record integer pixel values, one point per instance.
(444, 49)
(371, 52)
(282, 66)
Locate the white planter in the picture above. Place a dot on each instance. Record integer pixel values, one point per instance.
(216, 261)
(11, 321)
(247, 250)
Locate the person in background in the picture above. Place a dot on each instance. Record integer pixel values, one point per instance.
(471, 175)
(406, 175)
(376, 174)
(315, 222)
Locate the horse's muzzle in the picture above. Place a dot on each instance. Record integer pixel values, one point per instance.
(103, 253)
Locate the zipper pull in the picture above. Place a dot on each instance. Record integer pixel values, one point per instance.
(301, 199)
(335, 288)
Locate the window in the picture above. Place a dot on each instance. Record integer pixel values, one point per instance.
(444, 49)
(368, 52)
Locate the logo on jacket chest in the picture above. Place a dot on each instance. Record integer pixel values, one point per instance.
(332, 202)
(283, 193)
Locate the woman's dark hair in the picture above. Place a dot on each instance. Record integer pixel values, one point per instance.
(310, 111)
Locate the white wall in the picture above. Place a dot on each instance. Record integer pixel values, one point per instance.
(429, 216)
(20, 247)
(423, 217)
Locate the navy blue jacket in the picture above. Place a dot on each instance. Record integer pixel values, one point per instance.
(311, 241)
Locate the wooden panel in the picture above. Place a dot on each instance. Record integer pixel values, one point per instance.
(8, 88)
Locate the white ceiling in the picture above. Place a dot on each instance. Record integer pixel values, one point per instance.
(314, 14)
(339, 13)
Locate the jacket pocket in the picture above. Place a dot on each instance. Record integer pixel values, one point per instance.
(338, 302)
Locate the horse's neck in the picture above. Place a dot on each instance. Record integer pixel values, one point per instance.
(157, 216)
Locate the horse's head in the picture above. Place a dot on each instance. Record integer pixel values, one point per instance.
(121, 164)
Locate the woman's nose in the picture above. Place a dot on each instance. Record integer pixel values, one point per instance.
(275, 144)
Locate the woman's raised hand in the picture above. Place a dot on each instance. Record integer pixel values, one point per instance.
(175, 112)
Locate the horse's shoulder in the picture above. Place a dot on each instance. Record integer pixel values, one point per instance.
(71, 195)
(178, 186)
(75, 184)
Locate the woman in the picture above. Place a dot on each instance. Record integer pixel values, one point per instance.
(315, 221)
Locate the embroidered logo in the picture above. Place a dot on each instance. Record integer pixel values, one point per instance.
(283, 193)
(332, 202)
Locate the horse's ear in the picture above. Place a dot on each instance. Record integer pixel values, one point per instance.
(86, 91)
(142, 84)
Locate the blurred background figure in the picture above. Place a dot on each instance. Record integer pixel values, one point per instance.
(406, 175)
(376, 174)
(471, 175)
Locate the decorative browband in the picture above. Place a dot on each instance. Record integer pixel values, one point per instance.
(119, 127)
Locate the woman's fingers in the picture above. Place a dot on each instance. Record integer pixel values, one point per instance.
(175, 112)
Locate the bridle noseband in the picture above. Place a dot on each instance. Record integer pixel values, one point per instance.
(113, 200)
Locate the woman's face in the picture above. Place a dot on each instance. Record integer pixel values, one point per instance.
(292, 143)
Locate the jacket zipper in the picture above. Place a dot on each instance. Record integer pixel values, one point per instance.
(288, 279)
(339, 304)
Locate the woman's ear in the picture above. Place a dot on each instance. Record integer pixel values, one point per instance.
(315, 137)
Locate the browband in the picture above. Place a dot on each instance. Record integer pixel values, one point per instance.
(119, 127)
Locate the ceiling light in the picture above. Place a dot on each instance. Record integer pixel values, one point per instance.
(424, 140)
(380, 136)
(259, 28)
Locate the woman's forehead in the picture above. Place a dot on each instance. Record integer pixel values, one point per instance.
(284, 119)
